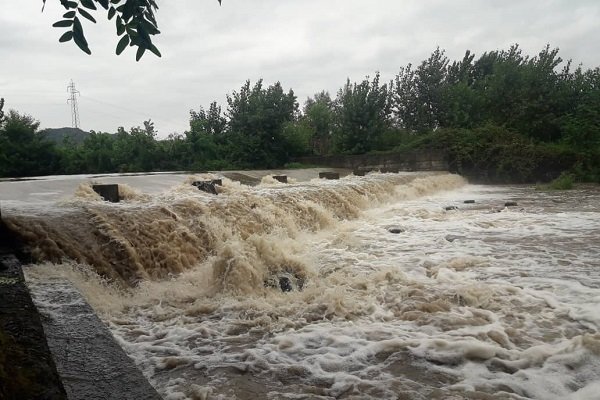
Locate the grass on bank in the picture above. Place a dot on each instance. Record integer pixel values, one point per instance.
(564, 182)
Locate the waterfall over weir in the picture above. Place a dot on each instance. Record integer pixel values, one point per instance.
(401, 286)
(244, 230)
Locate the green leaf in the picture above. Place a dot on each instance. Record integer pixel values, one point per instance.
(66, 37)
(80, 41)
(150, 28)
(69, 14)
(69, 4)
(88, 4)
(115, 1)
(111, 12)
(86, 14)
(144, 35)
(135, 39)
(63, 24)
(140, 53)
(79, 36)
(128, 10)
(122, 44)
(150, 17)
(77, 25)
(104, 4)
(120, 26)
(155, 50)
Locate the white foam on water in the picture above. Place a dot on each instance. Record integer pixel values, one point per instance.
(484, 301)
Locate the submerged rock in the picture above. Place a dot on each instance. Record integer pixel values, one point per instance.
(469, 201)
(206, 186)
(510, 204)
(452, 238)
(285, 282)
(395, 229)
(450, 208)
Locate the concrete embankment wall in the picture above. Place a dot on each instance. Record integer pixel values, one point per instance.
(429, 160)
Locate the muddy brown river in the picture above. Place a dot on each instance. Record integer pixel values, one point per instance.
(466, 301)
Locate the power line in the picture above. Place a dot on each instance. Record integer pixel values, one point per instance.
(126, 111)
(73, 100)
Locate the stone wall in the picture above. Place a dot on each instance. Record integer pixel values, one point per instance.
(429, 160)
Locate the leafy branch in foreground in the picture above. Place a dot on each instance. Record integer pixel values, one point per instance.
(135, 23)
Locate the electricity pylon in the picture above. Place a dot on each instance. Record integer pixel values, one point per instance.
(73, 100)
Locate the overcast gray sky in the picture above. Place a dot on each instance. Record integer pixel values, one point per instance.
(308, 45)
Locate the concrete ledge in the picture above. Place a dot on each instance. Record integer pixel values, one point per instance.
(91, 365)
(25, 360)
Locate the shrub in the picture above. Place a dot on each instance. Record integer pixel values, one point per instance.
(563, 182)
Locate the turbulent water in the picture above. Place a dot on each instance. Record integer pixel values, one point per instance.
(479, 302)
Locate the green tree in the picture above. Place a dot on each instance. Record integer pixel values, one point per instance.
(135, 22)
(582, 125)
(319, 117)
(205, 139)
(362, 115)
(71, 157)
(211, 122)
(136, 150)
(298, 137)
(23, 150)
(418, 94)
(256, 120)
(462, 104)
(175, 149)
(98, 153)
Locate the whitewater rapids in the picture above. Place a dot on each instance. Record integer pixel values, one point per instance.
(480, 302)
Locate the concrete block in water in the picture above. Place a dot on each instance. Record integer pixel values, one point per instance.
(109, 192)
(281, 178)
(329, 175)
(206, 186)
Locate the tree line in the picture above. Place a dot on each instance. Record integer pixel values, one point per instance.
(505, 114)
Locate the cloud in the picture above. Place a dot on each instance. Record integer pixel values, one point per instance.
(209, 51)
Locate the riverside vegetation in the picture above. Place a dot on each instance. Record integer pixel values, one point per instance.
(504, 116)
